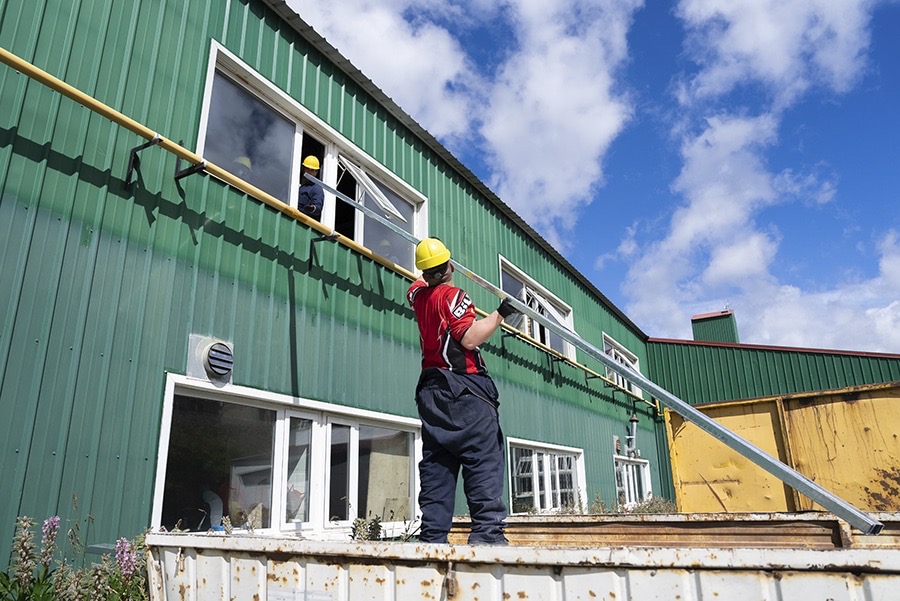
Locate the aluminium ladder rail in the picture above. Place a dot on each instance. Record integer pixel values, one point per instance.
(799, 482)
(783, 472)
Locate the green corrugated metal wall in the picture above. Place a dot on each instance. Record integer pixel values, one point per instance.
(100, 287)
(706, 373)
(719, 328)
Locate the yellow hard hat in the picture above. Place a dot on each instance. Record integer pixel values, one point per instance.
(311, 162)
(245, 161)
(431, 252)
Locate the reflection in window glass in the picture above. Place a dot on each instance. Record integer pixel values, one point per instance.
(543, 480)
(297, 481)
(219, 464)
(383, 240)
(384, 469)
(248, 138)
(523, 482)
(339, 490)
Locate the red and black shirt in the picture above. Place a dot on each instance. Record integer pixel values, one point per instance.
(445, 313)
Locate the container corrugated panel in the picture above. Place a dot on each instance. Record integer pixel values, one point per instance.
(706, 373)
(215, 567)
(845, 440)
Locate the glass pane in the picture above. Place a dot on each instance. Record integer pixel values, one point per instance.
(297, 480)
(523, 481)
(339, 490)
(384, 468)
(249, 139)
(383, 240)
(220, 464)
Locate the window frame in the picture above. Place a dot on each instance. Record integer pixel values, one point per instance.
(306, 122)
(546, 504)
(286, 407)
(557, 305)
(628, 470)
(620, 353)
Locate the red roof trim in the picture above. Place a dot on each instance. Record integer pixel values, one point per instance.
(723, 313)
(768, 347)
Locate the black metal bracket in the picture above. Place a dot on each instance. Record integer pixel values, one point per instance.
(332, 237)
(180, 173)
(134, 161)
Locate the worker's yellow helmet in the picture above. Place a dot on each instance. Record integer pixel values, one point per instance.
(431, 252)
(311, 162)
(245, 161)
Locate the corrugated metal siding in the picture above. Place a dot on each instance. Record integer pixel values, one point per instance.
(101, 286)
(699, 373)
(719, 328)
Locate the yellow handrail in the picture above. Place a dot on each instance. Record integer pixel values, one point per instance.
(183, 153)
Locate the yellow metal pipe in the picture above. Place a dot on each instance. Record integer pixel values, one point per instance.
(183, 153)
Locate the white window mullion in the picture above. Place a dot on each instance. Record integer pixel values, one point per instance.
(279, 471)
(353, 473)
(318, 474)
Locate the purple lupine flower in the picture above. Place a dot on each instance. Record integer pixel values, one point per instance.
(48, 540)
(125, 558)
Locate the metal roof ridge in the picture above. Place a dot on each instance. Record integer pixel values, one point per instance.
(773, 347)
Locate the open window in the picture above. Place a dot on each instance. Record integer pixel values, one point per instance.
(356, 183)
(515, 283)
(545, 478)
(260, 134)
(621, 355)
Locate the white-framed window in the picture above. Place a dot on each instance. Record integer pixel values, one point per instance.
(516, 283)
(257, 132)
(622, 355)
(356, 182)
(545, 477)
(274, 463)
(632, 480)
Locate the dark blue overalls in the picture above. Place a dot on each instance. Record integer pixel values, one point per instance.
(460, 429)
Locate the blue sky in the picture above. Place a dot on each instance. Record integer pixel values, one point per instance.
(685, 157)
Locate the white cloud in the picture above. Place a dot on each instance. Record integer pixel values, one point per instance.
(544, 122)
(784, 45)
(554, 108)
(418, 64)
(716, 249)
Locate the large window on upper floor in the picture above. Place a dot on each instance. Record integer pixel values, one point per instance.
(260, 134)
(516, 283)
(266, 464)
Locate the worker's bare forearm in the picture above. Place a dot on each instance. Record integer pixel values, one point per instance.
(481, 330)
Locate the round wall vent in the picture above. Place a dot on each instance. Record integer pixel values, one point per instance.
(218, 360)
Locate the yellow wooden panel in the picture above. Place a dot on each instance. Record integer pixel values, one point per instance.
(848, 443)
(710, 477)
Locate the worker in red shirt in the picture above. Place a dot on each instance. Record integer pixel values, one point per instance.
(457, 403)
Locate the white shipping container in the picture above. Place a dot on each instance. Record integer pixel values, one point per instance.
(189, 567)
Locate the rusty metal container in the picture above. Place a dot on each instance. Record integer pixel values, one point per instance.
(810, 556)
